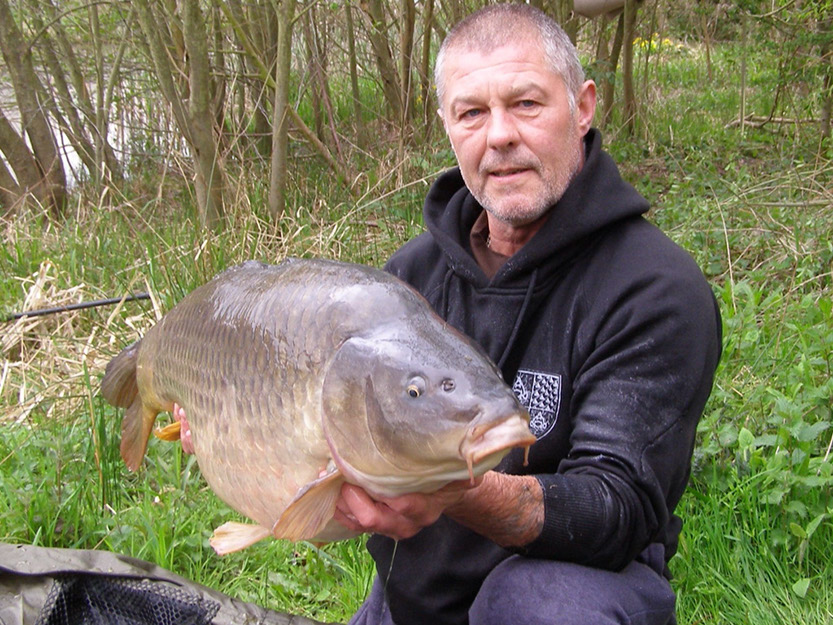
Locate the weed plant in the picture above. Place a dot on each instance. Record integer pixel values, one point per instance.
(753, 205)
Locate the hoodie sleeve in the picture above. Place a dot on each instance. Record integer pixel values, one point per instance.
(644, 361)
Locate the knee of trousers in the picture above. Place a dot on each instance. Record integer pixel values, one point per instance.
(543, 592)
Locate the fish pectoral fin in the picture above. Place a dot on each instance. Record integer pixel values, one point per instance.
(170, 432)
(232, 536)
(311, 510)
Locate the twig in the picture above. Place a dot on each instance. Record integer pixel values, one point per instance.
(759, 121)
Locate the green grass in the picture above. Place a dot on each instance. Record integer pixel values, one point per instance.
(753, 208)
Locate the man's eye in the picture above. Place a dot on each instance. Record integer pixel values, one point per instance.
(471, 113)
(527, 104)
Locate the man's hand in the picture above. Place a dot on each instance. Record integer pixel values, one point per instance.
(185, 430)
(396, 517)
(507, 509)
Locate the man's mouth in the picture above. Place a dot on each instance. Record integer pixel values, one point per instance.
(508, 173)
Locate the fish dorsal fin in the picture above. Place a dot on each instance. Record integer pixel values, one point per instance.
(232, 536)
(311, 510)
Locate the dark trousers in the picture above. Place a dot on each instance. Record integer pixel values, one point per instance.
(543, 592)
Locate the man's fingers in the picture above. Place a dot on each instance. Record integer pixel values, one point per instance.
(360, 507)
(185, 438)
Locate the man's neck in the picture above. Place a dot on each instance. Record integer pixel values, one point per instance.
(506, 239)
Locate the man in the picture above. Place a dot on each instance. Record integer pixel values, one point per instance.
(607, 330)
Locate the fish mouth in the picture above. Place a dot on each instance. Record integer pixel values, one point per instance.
(485, 444)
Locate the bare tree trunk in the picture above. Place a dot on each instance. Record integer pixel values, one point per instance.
(10, 192)
(210, 179)
(824, 28)
(268, 77)
(196, 122)
(218, 78)
(428, 104)
(565, 16)
(319, 26)
(89, 130)
(707, 39)
(627, 64)
(73, 108)
(406, 47)
(354, 74)
(280, 132)
(163, 65)
(384, 59)
(313, 66)
(255, 27)
(24, 166)
(609, 83)
(99, 116)
(52, 187)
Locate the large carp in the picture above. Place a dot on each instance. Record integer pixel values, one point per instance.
(301, 376)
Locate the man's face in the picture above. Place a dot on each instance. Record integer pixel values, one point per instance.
(508, 117)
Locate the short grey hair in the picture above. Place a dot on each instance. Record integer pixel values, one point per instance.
(500, 24)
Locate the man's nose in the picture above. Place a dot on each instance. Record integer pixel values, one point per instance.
(502, 130)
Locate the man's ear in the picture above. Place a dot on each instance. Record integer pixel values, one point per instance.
(442, 118)
(586, 106)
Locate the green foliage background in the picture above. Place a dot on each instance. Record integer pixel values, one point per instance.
(753, 205)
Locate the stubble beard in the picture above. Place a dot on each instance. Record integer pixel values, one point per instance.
(528, 210)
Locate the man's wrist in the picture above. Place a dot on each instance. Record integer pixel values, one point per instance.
(508, 509)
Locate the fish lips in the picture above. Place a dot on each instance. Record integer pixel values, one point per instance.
(487, 441)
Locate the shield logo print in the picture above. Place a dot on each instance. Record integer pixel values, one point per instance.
(540, 394)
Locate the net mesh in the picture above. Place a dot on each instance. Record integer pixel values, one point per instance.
(98, 600)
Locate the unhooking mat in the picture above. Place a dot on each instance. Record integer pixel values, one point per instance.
(42, 586)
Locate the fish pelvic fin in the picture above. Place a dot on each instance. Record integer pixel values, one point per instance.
(311, 510)
(135, 432)
(170, 432)
(119, 386)
(232, 536)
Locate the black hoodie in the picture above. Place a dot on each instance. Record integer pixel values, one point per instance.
(610, 335)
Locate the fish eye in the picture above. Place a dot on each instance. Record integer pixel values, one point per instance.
(448, 385)
(415, 388)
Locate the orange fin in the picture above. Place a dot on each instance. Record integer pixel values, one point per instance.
(119, 386)
(170, 432)
(135, 432)
(232, 536)
(311, 510)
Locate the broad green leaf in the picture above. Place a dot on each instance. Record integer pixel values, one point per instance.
(801, 587)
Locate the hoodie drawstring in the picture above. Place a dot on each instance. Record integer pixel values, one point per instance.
(519, 319)
(446, 288)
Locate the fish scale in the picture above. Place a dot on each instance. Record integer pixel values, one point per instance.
(299, 377)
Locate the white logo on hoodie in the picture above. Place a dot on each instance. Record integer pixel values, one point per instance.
(540, 394)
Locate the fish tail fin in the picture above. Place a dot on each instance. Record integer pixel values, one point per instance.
(119, 386)
(231, 536)
(135, 432)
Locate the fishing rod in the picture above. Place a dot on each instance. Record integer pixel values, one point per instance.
(78, 306)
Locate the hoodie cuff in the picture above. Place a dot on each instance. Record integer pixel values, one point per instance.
(574, 519)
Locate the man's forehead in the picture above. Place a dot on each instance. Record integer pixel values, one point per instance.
(488, 39)
(509, 60)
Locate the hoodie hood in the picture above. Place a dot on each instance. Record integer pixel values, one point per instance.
(595, 199)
